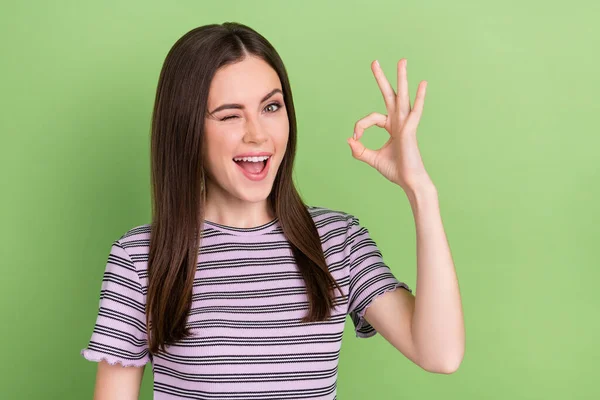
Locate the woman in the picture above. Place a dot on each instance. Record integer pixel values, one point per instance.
(238, 289)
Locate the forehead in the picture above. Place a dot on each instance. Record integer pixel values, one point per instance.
(245, 81)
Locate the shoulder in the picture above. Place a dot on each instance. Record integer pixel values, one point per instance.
(323, 213)
(136, 238)
(328, 220)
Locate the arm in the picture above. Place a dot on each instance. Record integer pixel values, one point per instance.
(437, 324)
(115, 382)
(427, 328)
(119, 343)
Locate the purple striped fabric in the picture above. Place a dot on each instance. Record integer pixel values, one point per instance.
(248, 299)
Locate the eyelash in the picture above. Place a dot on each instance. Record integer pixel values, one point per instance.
(276, 103)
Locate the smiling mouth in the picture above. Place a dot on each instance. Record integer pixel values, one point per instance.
(252, 165)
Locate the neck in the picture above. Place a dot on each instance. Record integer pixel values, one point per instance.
(225, 209)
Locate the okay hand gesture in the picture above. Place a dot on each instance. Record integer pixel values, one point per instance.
(399, 160)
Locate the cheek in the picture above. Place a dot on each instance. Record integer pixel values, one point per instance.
(219, 145)
(281, 132)
(282, 141)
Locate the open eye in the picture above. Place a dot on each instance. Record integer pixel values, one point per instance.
(276, 104)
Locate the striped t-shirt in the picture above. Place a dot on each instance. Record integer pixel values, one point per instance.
(248, 300)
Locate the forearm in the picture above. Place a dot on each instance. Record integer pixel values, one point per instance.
(437, 323)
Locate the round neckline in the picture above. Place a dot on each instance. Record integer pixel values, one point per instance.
(252, 231)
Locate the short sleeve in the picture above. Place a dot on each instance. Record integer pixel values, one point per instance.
(370, 277)
(119, 335)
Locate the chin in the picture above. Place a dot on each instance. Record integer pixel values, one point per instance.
(255, 196)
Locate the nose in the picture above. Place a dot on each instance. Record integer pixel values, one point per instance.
(254, 133)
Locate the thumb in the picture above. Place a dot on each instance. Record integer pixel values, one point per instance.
(360, 152)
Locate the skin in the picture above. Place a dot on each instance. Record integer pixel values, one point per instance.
(115, 382)
(232, 199)
(428, 328)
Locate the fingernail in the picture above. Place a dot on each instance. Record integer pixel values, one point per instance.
(354, 136)
(377, 62)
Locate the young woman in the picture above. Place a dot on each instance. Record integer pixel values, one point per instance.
(237, 289)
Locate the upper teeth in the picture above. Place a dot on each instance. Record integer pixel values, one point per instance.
(251, 159)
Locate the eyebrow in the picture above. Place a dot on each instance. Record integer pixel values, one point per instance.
(241, 107)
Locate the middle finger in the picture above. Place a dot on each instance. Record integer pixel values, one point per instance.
(389, 96)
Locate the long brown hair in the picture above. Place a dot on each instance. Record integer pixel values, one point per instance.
(177, 169)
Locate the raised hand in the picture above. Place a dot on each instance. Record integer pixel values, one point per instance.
(399, 159)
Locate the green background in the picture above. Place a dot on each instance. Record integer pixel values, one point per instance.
(509, 136)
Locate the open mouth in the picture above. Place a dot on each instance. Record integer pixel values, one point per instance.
(252, 165)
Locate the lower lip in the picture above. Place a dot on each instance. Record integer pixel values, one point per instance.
(256, 177)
